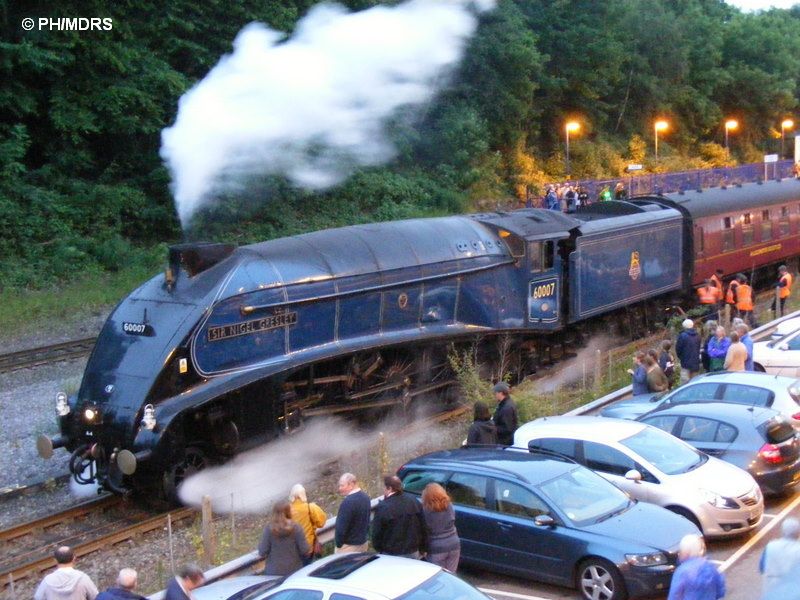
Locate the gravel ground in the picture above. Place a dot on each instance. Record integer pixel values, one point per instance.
(27, 400)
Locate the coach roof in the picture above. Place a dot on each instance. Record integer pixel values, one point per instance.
(737, 198)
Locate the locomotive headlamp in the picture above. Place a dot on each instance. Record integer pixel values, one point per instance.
(90, 414)
(62, 406)
(149, 417)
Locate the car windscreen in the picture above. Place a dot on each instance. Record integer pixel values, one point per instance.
(584, 496)
(444, 585)
(663, 451)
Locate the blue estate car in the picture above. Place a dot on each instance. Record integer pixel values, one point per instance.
(543, 516)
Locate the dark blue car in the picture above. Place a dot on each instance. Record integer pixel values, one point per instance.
(542, 516)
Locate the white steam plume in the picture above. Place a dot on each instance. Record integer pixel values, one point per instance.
(312, 107)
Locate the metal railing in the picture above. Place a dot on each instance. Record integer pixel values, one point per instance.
(658, 183)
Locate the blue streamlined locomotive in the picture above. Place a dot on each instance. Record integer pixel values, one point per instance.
(231, 346)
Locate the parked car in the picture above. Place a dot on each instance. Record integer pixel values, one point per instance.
(779, 356)
(356, 576)
(544, 517)
(633, 407)
(784, 327)
(741, 387)
(654, 466)
(759, 440)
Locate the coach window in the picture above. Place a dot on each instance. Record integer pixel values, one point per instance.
(747, 229)
(727, 234)
(783, 224)
(766, 226)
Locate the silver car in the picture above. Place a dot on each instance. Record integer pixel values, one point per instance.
(356, 576)
(654, 466)
(736, 387)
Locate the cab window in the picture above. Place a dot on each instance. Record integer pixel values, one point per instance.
(540, 256)
(513, 499)
(415, 481)
(467, 490)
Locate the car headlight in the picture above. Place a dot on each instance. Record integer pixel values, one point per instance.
(62, 406)
(646, 560)
(718, 500)
(90, 414)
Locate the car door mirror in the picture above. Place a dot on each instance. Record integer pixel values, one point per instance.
(633, 475)
(544, 521)
(783, 346)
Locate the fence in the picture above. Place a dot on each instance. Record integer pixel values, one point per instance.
(657, 183)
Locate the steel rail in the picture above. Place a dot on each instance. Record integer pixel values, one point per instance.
(115, 536)
(43, 355)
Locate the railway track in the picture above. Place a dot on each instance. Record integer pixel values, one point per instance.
(26, 549)
(43, 355)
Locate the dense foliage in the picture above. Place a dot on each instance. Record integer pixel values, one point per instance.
(82, 187)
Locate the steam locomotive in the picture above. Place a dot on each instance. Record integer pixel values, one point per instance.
(231, 346)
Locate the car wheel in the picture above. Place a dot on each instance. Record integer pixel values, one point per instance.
(686, 514)
(598, 579)
(758, 368)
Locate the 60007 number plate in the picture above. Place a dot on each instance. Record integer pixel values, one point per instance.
(137, 328)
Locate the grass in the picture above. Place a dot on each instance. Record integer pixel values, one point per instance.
(26, 310)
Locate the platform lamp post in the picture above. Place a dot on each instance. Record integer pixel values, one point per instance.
(730, 125)
(659, 125)
(785, 124)
(570, 127)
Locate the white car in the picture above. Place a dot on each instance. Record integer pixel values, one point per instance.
(654, 466)
(785, 327)
(779, 356)
(354, 576)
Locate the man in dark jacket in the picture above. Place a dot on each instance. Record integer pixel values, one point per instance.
(505, 415)
(399, 524)
(126, 583)
(352, 520)
(189, 578)
(688, 350)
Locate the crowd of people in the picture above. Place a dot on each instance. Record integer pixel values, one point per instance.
(568, 197)
(714, 350)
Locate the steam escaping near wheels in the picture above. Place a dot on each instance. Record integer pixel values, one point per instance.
(313, 106)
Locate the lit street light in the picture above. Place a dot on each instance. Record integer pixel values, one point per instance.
(570, 127)
(659, 126)
(730, 125)
(786, 124)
